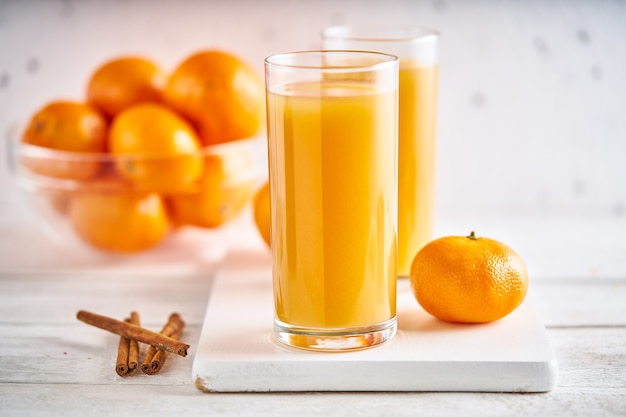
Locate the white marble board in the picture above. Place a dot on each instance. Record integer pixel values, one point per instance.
(237, 352)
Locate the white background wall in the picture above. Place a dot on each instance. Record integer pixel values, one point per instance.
(532, 93)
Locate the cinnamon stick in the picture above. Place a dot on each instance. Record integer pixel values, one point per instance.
(156, 357)
(159, 358)
(134, 332)
(121, 366)
(133, 346)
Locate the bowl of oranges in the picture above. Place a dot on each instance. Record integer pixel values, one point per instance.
(145, 153)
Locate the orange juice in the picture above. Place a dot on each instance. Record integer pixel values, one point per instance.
(333, 200)
(416, 160)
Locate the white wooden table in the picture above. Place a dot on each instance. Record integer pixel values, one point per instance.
(51, 364)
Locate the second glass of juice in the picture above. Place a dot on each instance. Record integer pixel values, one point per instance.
(332, 143)
(417, 48)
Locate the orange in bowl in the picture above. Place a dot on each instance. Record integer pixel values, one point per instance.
(155, 148)
(220, 93)
(70, 127)
(119, 221)
(125, 81)
(226, 186)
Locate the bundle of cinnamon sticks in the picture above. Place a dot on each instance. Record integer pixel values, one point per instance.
(131, 334)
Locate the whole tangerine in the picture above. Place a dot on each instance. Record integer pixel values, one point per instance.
(468, 279)
(220, 93)
(155, 148)
(125, 81)
(119, 221)
(76, 129)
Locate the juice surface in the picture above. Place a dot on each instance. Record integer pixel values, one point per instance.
(334, 203)
(416, 160)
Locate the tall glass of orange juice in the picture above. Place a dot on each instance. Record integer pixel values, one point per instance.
(332, 144)
(417, 49)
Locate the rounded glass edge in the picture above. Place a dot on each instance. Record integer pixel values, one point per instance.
(381, 34)
(271, 61)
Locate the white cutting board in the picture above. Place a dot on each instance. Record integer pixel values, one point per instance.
(237, 352)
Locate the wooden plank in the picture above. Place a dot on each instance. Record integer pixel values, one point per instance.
(591, 358)
(37, 327)
(70, 400)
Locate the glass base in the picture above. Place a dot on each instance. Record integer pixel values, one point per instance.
(341, 339)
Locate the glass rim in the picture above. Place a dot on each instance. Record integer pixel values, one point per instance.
(381, 33)
(274, 61)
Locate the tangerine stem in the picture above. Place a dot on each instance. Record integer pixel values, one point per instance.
(472, 235)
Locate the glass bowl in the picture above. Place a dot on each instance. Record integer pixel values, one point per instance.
(135, 203)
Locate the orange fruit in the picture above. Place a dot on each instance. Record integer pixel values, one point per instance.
(155, 148)
(71, 127)
(262, 215)
(119, 221)
(467, 279)
(225, 189)
(122, 82)
(220, 93)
